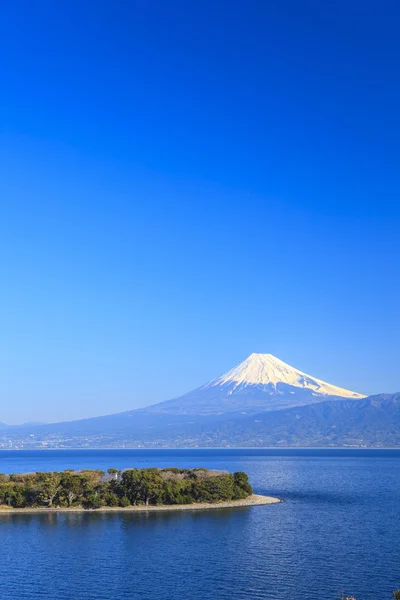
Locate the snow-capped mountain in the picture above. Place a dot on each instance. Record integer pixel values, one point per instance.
(267, 370)
(262, 382)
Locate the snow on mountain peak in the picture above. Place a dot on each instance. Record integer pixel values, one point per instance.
(266, 369)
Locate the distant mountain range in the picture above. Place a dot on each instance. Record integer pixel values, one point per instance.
(261, 402)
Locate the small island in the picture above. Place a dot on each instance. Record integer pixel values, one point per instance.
(130, 489)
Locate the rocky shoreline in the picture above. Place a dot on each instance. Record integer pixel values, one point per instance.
(253, 500)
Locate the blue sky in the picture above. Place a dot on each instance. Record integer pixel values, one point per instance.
(184, 183)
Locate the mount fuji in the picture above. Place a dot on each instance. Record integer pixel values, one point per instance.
(262, 382)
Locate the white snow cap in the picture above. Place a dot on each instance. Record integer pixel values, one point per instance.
(266, 369)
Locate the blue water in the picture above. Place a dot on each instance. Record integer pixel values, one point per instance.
(338, 528)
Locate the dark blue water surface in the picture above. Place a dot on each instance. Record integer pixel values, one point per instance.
(338, 528)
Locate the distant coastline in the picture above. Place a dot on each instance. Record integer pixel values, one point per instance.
(253, 500)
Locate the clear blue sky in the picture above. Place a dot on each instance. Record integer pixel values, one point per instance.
(184, 183)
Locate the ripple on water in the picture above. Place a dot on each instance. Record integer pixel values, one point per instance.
(339, 527)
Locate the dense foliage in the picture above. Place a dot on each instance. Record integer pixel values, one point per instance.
(94, 489)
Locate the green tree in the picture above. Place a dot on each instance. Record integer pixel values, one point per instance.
(143, 486)
(12, 495)
(95, 495)
(73, 486)
(177, 492)
(241, 486)
(7, 493)
(214, 489)
(48, 486)
(93, 500)
(111, 499)
(152, 486)
(130, 486)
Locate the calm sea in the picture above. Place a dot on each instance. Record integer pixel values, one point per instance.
(338, 528)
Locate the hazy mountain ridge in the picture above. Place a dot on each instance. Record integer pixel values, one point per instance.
(368, 422)
(372, 422)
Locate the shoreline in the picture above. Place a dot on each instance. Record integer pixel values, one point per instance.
(253, 500)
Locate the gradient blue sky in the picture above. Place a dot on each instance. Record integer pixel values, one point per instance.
(184, 183)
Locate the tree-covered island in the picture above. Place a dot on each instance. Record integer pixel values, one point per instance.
(93, 489)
